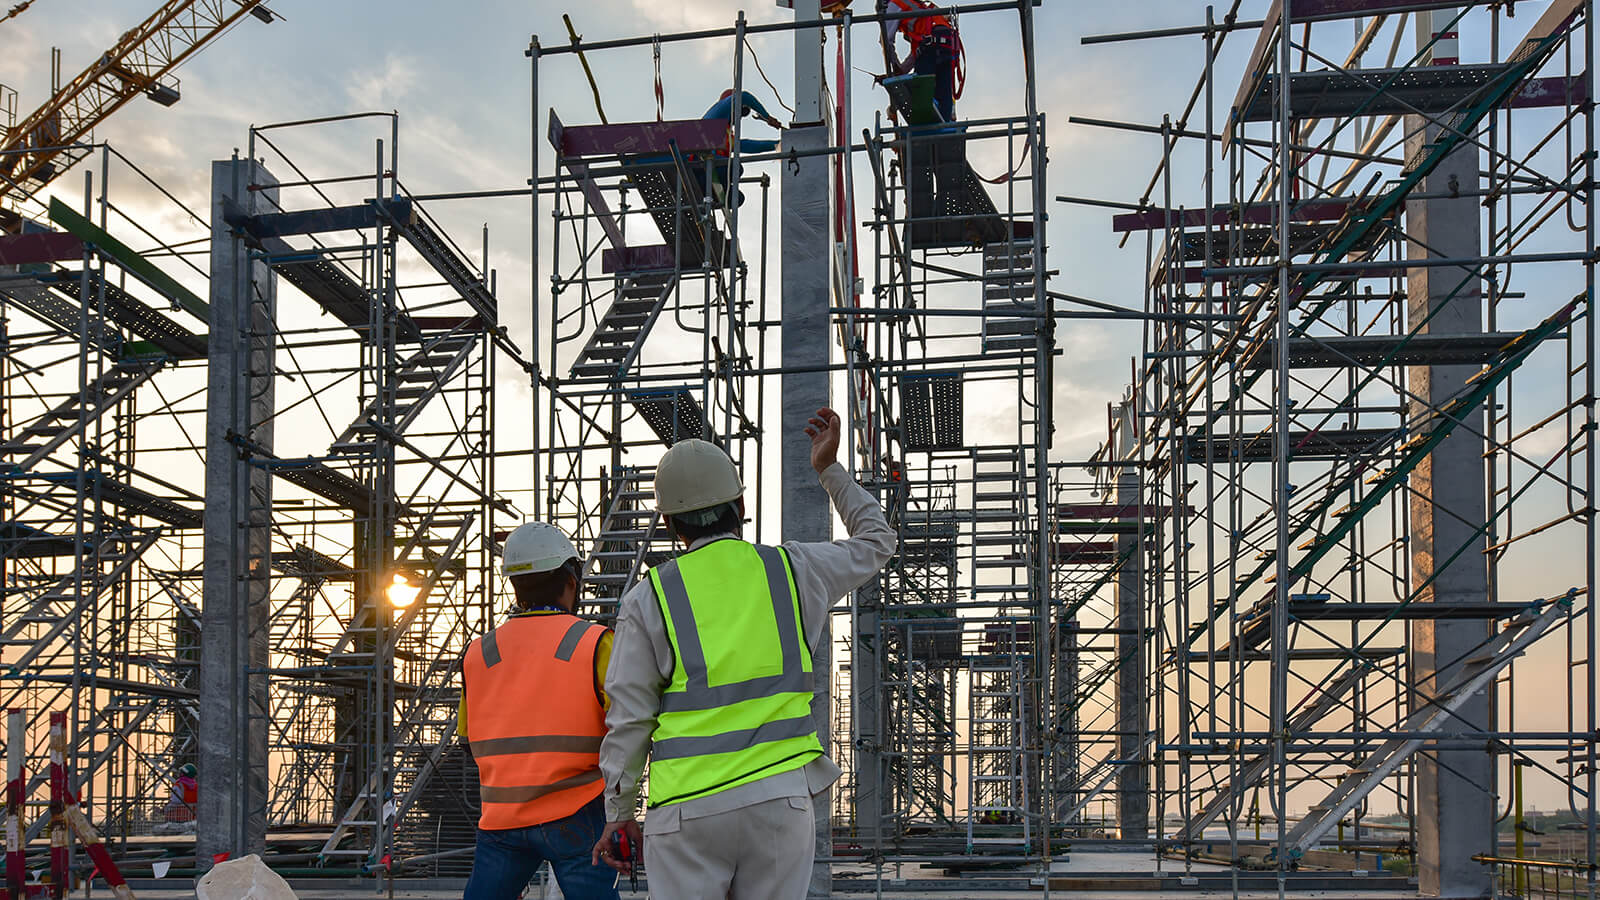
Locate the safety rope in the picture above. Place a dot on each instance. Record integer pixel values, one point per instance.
(776, 95)
(1013, 173)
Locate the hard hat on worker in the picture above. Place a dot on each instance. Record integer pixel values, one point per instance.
(536, 547)
(696, 475)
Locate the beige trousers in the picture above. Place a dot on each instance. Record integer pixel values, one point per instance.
(759, 852)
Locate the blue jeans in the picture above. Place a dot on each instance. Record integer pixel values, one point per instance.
(506, 861)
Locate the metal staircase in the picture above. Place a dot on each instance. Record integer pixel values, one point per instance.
(1009, 313)
(67, 419)
(631, 538)
(614, 345)
(419, 378)
(1433, 715)
(58, 606)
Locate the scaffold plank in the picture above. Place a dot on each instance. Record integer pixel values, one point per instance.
(1304, 446)
(1369, 351)
(931, 410)
(129, 312)
(1428, 90)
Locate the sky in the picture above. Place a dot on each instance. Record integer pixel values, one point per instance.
(458, 76)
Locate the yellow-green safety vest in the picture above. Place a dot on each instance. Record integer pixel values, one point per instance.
(738, 708)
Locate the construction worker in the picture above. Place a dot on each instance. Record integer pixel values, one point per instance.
(723, 109)
(712, 680)
(533, 713)
(935, 50)
(185, 796)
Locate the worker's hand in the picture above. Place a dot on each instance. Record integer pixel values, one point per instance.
(824, 431)
(602, 848)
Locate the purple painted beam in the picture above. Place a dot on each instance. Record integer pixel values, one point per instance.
(691, 135)
(633, 259)
(1197, 274)
(1311, 10)
(26, 249)
(1540, 92)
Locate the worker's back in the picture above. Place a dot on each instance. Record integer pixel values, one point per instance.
(534, 719)
(738, 707)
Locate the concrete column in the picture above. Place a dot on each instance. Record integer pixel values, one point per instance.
(1133, 778)
(1454, 808)
(238, 542)
(867, 714)
(806, 256)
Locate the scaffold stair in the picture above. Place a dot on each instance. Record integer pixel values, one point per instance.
(49, 614)
(418, 378)
(1318, 705)
(614, 345)
(437, 252)
(1010, 320)
(631, 539)
(67, 419)
(1470, 677)
(1425, 434)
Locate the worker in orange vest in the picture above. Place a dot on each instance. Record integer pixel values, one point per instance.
(935, 50)
(533, 712)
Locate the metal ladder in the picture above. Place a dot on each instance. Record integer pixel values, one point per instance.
(622, 548)
(1473, 675)
(1009, 320)
(614, 344)
(67, 419)
(420, 378)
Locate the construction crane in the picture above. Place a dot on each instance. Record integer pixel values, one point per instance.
(51, 139)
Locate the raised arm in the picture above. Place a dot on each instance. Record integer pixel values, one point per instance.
(828, 571)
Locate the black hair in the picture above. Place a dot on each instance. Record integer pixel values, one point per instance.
(692, 526)
(545, 588)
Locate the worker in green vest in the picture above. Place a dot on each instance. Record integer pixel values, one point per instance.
(711, 680)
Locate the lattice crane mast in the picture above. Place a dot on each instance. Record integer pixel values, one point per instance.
(45, 143)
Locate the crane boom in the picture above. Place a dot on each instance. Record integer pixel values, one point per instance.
(47, 142)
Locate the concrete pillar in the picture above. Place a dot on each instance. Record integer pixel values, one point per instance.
(805, 259)
(1133, 778)
(867, 715)
(238, 542)
(1454, 807)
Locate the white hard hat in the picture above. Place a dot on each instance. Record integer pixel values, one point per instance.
(694, 475)
(536, 547)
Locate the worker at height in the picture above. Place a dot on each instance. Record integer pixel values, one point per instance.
(935, 50)
(712, 680)
(533, 713)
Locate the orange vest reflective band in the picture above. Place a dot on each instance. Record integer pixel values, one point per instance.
(533, 719)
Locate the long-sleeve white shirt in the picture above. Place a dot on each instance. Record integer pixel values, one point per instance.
(642, 658)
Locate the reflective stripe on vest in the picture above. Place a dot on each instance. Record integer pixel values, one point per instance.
(738, 707)
(533, 720)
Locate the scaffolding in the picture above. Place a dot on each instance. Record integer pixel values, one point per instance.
(361, 452)
(658, 326)
(1359, 448)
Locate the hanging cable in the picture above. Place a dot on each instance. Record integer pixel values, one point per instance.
(573, 34)
(764, 77)
(661, 94)
(1013, 173)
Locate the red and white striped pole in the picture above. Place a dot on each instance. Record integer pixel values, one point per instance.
(60, 833)
(16, 757)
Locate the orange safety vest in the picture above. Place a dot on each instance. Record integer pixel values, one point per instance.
(533, 719)
(920, 29)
